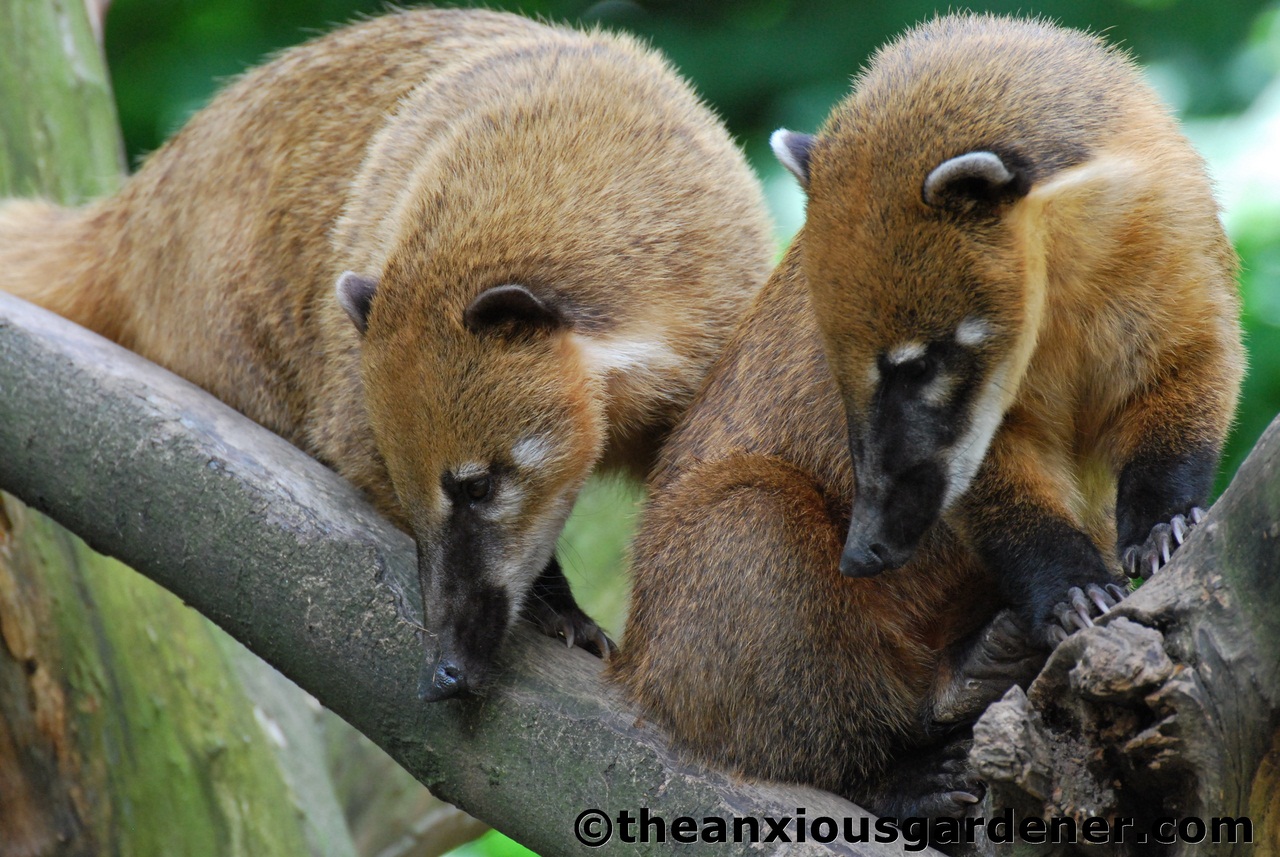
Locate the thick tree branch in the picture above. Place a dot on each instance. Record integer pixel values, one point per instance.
(291, 561)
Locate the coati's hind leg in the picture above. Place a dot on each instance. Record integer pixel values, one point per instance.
(977, 671)
(936, 782)
(552, 608)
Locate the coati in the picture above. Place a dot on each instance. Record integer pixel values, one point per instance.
(961, 350)
(460, 257)
(1029, 306)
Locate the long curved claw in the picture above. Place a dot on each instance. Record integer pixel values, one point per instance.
(1157, 549)
(1080, 608)
(1101, 598)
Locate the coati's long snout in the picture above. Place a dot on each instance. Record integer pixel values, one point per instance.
(903, 450)
(468, 618)
(887, 524)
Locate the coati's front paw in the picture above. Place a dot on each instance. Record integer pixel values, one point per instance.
(1149, 557)
(1079, 610)
(570, 624)
(552, 608)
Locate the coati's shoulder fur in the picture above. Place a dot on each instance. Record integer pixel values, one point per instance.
(459, 256)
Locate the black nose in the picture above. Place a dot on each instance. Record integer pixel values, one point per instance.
(445, 681)
(864, 560)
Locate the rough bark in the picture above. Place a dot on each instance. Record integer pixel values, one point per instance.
(1170, 706)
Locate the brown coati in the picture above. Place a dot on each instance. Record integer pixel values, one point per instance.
(1028, 303)
(461, 257)
(1020, 288)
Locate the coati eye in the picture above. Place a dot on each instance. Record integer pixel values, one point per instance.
(476, 489)
(918, 371)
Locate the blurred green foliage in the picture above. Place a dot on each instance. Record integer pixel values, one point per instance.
(770, 63)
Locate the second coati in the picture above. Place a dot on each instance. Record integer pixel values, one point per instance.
(1028, 303)
(461, 257)
(1011, 285)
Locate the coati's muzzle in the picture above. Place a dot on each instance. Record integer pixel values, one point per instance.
(891, 514)
(466, 622)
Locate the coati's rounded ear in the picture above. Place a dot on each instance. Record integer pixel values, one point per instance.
(355, 294)
(792, 149)
(510, 304)
(981, 178)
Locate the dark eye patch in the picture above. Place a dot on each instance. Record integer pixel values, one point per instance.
(921, 370)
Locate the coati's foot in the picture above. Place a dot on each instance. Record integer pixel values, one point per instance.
(552, 608)
(933, 783)
(1149, 557)
(979, 670)
(1079, 610)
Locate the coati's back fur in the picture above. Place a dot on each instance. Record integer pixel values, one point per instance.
(439, 157)
(1010, 312)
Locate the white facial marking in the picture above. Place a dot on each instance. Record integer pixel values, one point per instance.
(470, 470)
(906, 352)
(938, 391)
(507, 501)
(967, 455)
(608, 354)
(972, 331)
(873, 374)
(531, 452)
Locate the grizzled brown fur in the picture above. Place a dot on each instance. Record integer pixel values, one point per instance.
(440, 154)
(1023, 310)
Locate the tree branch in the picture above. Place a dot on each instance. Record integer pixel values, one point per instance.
(291, 561)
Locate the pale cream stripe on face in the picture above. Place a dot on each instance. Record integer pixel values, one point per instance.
(986, 416)
(608, 354)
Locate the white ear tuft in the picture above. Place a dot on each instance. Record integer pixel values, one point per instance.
(974, 177)
(792, 149)
(355, 295)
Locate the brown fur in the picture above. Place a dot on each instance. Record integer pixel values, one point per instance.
(743, 639)
(1109, 284)
(442, 152)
